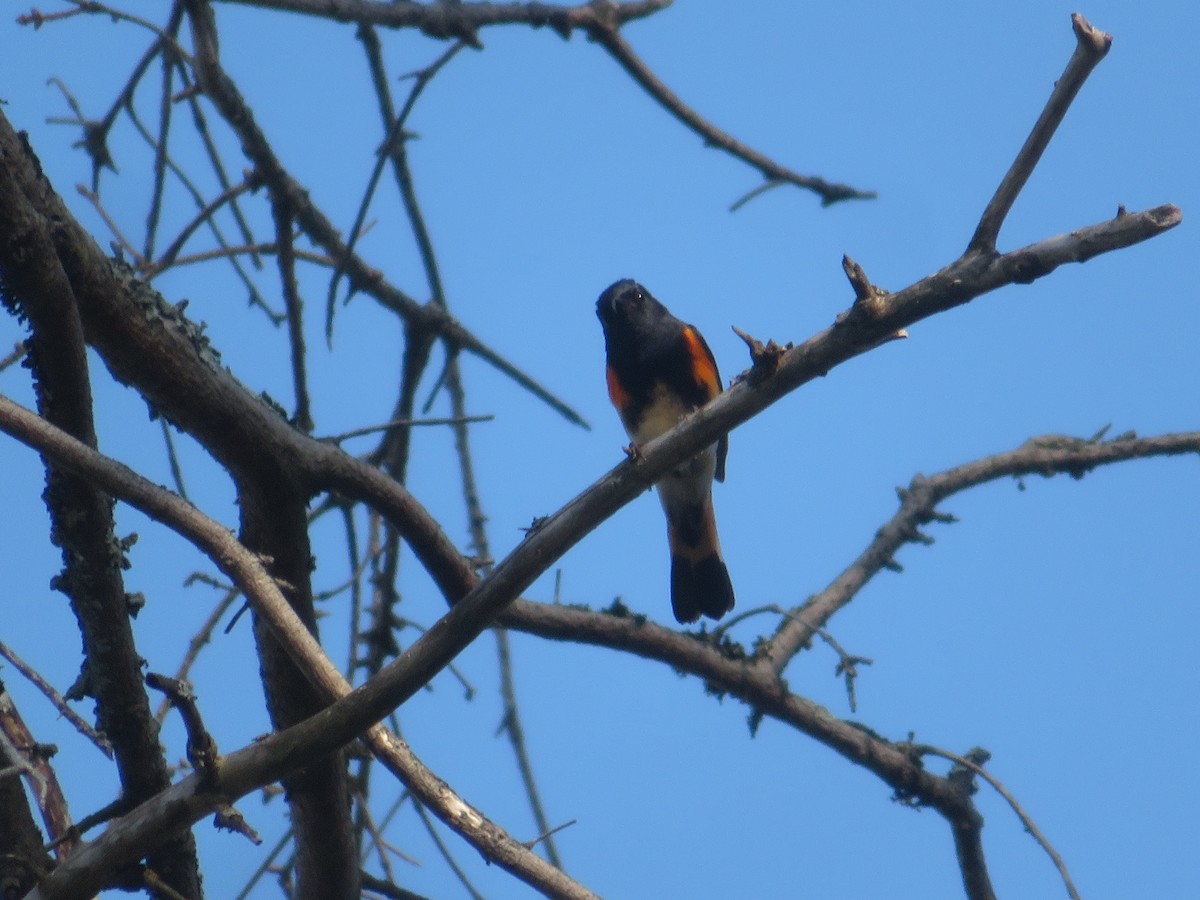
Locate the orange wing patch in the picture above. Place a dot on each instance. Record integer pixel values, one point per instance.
(616, 393)
(703, 367)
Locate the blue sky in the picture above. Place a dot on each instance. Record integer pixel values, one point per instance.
(1054, 626)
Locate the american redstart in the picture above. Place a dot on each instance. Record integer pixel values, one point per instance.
(659, 370)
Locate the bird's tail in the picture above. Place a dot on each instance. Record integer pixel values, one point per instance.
(700, 582)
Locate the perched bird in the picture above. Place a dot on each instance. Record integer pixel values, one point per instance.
(659, 370)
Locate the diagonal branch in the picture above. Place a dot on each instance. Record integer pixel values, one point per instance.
(607, 36)
(1044, 456)
(1091, 47)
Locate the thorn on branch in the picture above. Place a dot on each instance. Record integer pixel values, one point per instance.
(962, 776)
(229, 819)
(940, 517)
(529, 845)
(34, 17)
(868, 297)
(764, 358)
(536, 523)
(619, 610)
(919, 537)
(754, 720)
(870, 302)
(505, 725)
(756, 192)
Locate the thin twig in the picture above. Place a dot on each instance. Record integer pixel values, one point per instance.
(393, 149)
(204, 216)
(753, 193)
(1026, 820)
(608, 37)
(221, 90)
(357, 567)
(247, 767)
(198, 199)
(407, 423)
(165, 109)
(266, 249)
(451, 378)
(286, 258)
(56, 699)
(848, 663)
(546, 834)
(381, 851)
(387, 889)
(18, 353)
(173, 459)
(94, 199)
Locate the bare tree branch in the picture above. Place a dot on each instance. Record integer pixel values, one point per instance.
(36, 284)
(277, 468)
(1091, 47)
(428, 317)
(974, 766)
(463, 20)
(1046, 456)
(608, 37)
(56, 699)
(23, 859)
(128, 838)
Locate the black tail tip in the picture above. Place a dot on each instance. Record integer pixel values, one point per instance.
(701, 588)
